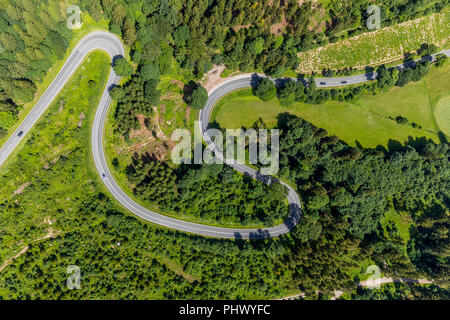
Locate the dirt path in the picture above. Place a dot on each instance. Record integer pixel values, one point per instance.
(367, 283)
(384, 280)
(212, 78)
(21, 188)
(50, 234)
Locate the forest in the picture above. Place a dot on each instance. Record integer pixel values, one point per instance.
(197, 34)
(33, 36)
(211, 192)
(346, 191)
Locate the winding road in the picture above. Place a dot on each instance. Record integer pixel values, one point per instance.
(101, 40)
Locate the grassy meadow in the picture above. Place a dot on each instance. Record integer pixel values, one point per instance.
(367, 121)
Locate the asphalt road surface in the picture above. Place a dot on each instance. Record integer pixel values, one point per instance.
(113, 47)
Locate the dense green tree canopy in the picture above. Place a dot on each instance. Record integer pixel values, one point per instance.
(265, 90)
(122, 67)
(198, 98)
(346, 192)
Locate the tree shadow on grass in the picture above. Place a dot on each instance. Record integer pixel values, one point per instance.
(283, 118)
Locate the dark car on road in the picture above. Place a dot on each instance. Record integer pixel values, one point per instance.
(20, 134)
(344, 82)
(323, 83)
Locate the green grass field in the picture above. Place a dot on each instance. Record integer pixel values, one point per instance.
(442, 115)
(367, 120)
(377, 47)
(401, 222)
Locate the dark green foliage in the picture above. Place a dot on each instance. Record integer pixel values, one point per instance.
(9, 106)
(386, 79)
(131, 101)
(195, 34)
(154, 181)
(413, 74)
(349, 17)
(265, 90)
(345, 190)
(198, 97)
(115, 162)
(316, 255)
(31, 40)
(401, 120)
(334, 177)
(151, 92)
(122, 67)
(291, 92)
(259, 124)
(211, 192)
(57, 42)
(427, 49)
(430, 245)
(117, 93)
(440, 60)
(256, 46)
(149, 72)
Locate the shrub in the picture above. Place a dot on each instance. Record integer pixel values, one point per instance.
(440, 60)
(401, 120)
